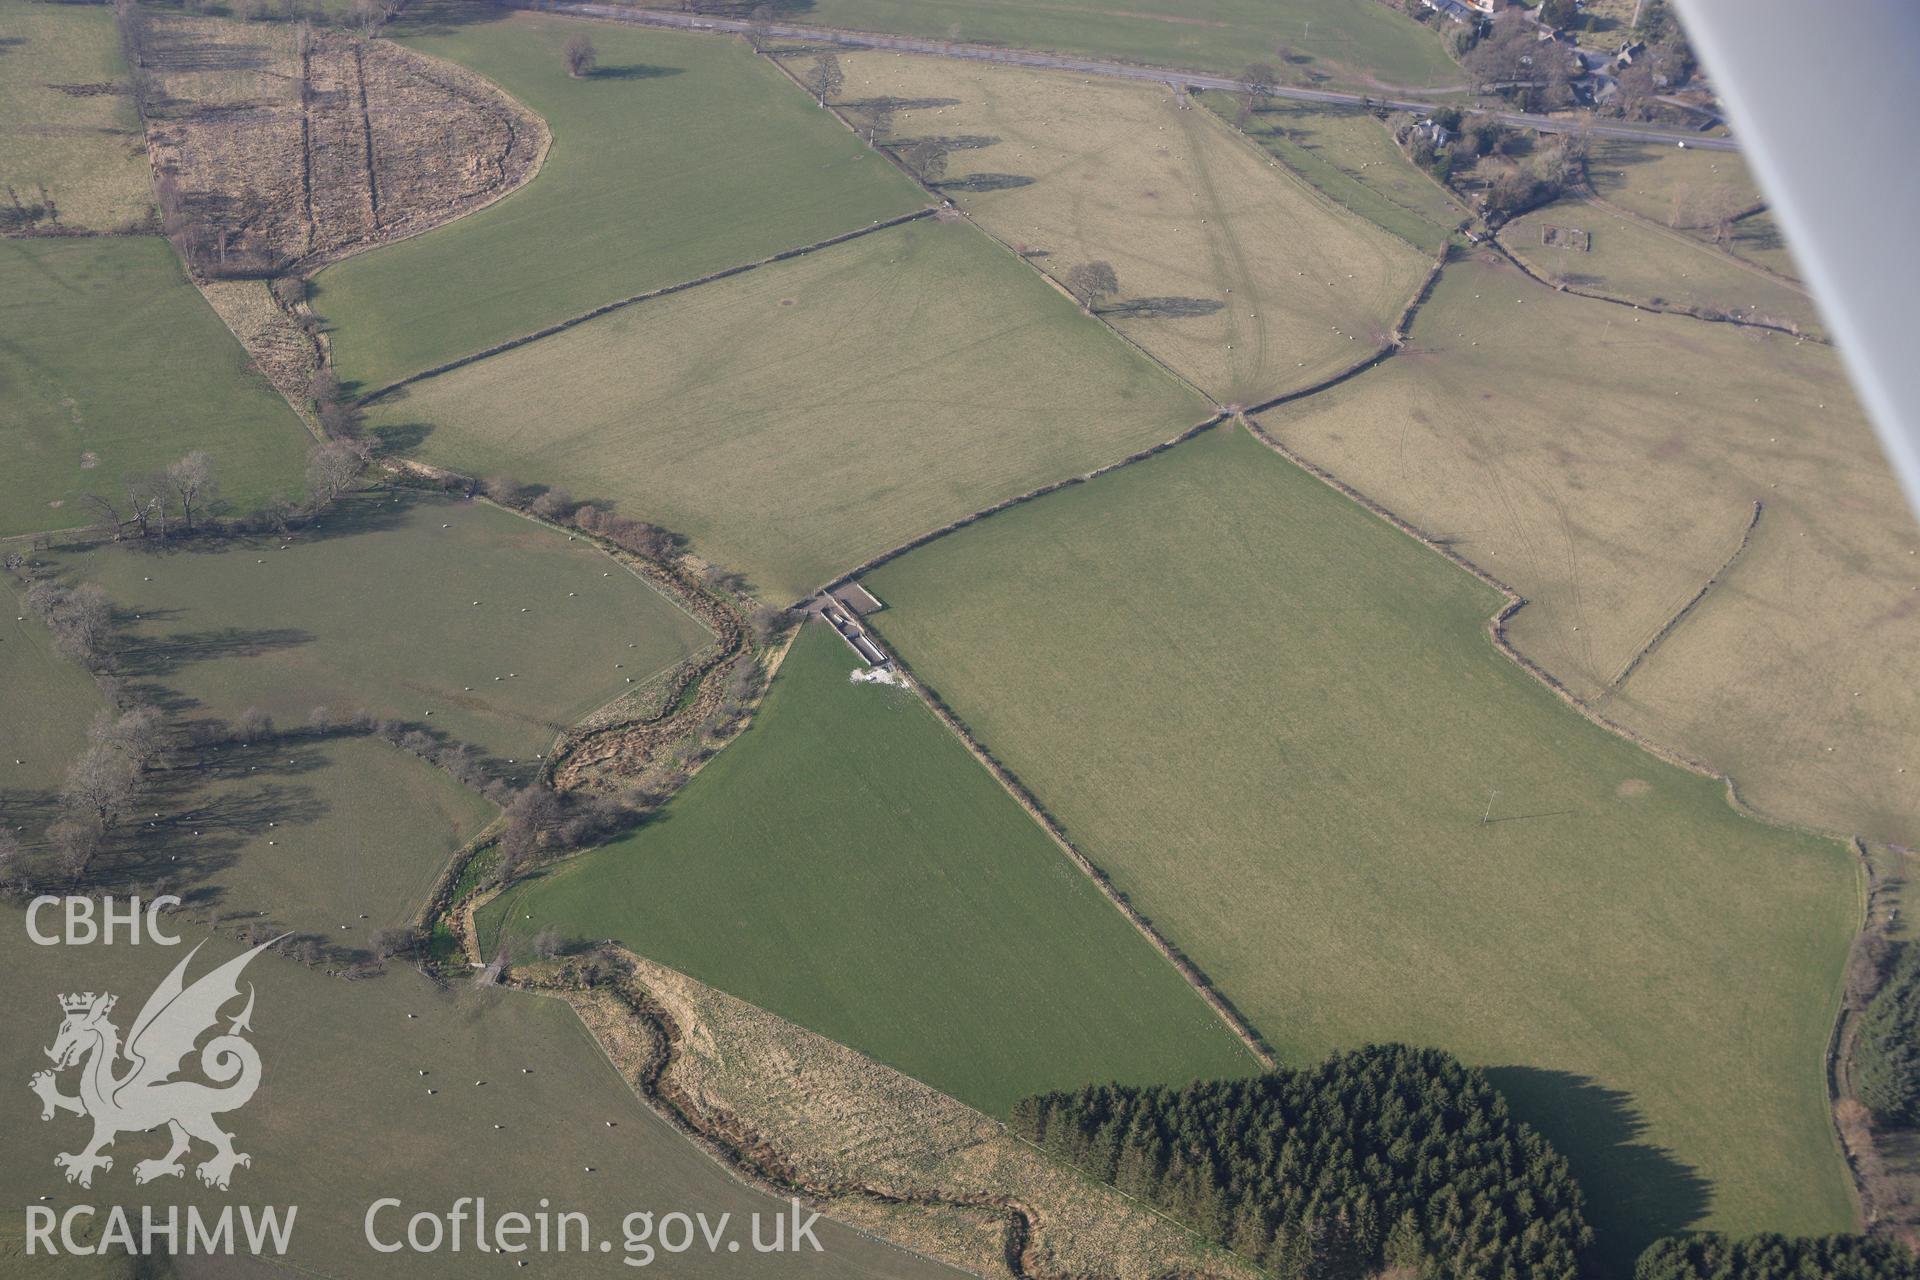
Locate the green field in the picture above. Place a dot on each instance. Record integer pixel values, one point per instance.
(1278, 722)
(682, 155)
(111, 362)
(1671, 186)
(800, 419)
(1231, 270)
(45, 702)
(1641, 262)
(1351, 157)
(343, 1117)
(1358, 45)
(381, 607)
(69, 133)
(307, 834)
(848, 866)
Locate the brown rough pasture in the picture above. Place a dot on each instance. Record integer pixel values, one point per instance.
(1636, 260)
(293, 157)
(1605, 462)
(835, 1121)
(1232, 269)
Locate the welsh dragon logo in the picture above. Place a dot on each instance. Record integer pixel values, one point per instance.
(143, 1094)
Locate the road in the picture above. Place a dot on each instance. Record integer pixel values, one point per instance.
(1118, 70)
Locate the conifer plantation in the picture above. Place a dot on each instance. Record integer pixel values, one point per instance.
(1772, 1257)
(1386, 1156)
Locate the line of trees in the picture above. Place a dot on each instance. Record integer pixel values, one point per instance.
(1385, 1157)
(150, 501)
(182, 498)
(1770, 1257)
(79, 618)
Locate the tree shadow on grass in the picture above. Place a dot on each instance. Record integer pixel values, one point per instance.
(443, 17)
(148, 658)
(631, 71)
(1165, 308)
(402, 437)
(1636, 1191)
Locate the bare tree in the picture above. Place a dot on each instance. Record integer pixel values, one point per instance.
(80, 619)
(106, 514)
(331, 470)
(1091, 282)
(928, 160)
(554, 504)
(75, 841)
(879, 116)
(825, 77)
(580, 55)
(99, 784)
(503, 488)
(760, 28)
(1262, 79)
(254, 725)
(192, 482)
(147, 495)
(398, 942)
(367, 17)
(140, 733)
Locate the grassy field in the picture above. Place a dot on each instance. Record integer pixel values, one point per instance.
(1360, 45)
(1674, 187)
(1685, 189)
(409, 606)
(69, 133)
(1758, 239)
(524, 1107)
(1639, 262)
(1604, 463)
(1351, 157)
(680, 156)
(847, 865)
(1364, 823)
(310, 835)
(45, 702)
(799, 419)
(1287, 286)
(112, 363)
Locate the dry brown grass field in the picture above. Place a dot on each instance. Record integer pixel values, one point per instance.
(1605, 463)
(68, 129)
(1639, 261)
(1232, 269)
(380, 142)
